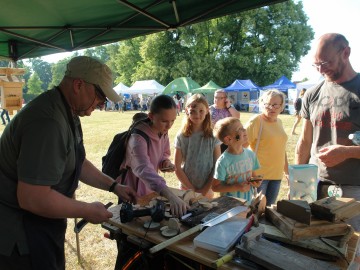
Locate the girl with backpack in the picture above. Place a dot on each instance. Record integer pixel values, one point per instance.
(297, 106)
(143, 160)
(196, 149)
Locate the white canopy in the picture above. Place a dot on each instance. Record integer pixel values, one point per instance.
(309, 83)
(146, 87)
(121, 88)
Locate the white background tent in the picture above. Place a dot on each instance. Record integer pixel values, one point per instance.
(121, 88)
(148, 87)
(308, 84)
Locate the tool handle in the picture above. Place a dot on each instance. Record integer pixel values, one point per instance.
(78, 226)
(173, 240)
(224, 259)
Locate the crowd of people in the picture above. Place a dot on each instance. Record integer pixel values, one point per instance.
(42, 156)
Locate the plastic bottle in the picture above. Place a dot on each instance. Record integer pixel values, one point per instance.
(355, 137)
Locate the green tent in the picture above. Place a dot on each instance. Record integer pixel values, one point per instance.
(208, 88)
(36, 28)
(182, 84)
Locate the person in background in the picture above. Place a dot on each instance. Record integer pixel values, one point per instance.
(222, 108)
(236, 166)
(196, 149)
(42, 158)
(177, 104)
(297, 105)
(271, 150)
(331, 112)
(6, 114)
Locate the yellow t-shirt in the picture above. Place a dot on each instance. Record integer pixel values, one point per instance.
(272, 146)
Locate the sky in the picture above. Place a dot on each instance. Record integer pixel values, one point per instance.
(325, 16)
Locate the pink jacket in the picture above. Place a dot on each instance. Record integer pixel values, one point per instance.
(145, 161)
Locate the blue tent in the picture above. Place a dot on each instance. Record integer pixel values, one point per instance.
(242, 85)
(282, 84)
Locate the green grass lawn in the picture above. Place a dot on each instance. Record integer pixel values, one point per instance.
(98, 252)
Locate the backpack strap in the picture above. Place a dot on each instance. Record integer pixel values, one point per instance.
(123, 171)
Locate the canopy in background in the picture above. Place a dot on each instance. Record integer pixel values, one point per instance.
(242, 85)
(37, 28)
(309, 83)
(182, 84)
(147, 87)
(282, 84)
(208, 88)
(121, 88)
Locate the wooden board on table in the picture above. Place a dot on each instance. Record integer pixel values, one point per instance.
(330, 247)
(334, 209)
(297, 231)
(274, 256)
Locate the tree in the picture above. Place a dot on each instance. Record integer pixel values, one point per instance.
(260, 45)
(34, 84)
(58, 70)
(43, 69)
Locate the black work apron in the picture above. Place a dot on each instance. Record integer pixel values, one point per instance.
(46, 236)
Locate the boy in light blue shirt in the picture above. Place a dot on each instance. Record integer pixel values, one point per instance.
(236, 166)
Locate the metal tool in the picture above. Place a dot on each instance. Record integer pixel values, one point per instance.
(228, 214)
(80, 225)
(157, 212)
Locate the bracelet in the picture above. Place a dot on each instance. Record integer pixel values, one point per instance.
(228, 107)
(112, 187)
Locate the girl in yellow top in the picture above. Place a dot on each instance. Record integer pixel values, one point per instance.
(272, 143)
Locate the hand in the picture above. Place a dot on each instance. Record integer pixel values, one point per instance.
(256, 183)
(177, 206)
(97, 213)
(227, 103)
(332, 155)
(167, 166)
(125, 193)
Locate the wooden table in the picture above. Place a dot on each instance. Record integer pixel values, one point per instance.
(183, 247)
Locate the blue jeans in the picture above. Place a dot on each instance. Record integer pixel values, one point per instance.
(270, 188)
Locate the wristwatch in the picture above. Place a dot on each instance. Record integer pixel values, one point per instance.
(229, 107)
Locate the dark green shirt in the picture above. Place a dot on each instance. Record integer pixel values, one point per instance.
(37, 147)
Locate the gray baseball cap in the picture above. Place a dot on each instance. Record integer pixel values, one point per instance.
(93, 71)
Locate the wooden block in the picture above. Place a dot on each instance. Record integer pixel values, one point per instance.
(334, 209)
(330, 247)
(274, 256)
(297, 231)
(295, 209)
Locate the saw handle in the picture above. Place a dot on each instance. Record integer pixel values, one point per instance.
(173, 240)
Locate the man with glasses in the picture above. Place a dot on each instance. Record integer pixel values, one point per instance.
(42, 158)
(331, 112)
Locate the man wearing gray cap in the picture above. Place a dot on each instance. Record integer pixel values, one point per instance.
(42, 158)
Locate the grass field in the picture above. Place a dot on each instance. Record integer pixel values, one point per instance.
(97, 252)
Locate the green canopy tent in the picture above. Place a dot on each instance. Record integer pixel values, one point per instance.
(36, 28)
(182, 84)
(208, 91)
(208, 88)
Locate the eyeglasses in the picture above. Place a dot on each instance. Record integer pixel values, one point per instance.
(219, 97)
(326, 64)
(101, 96)
(275, 106)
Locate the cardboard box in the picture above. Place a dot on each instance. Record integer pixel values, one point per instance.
(11, 85)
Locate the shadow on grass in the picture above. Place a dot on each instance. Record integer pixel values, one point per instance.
(83, 264)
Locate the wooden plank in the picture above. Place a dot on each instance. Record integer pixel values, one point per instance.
(274, 256)
(331, 248)
(297, 231)
(295, 209)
